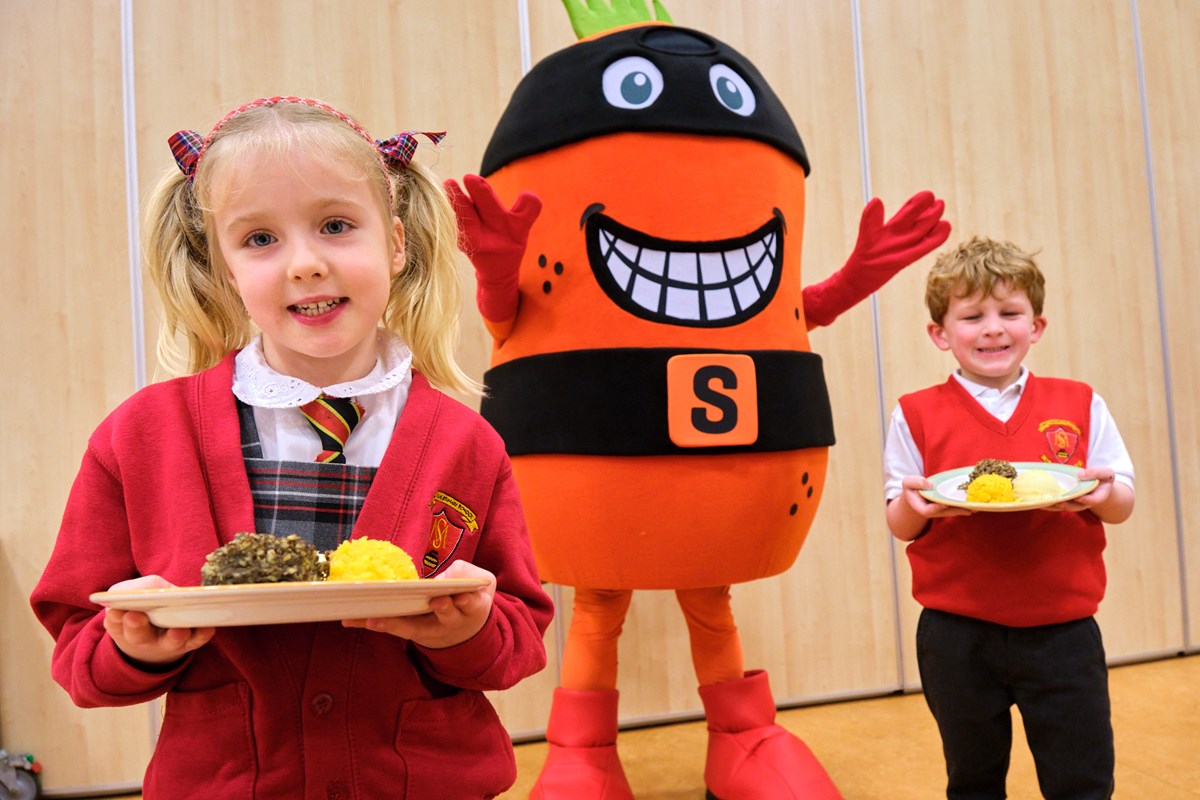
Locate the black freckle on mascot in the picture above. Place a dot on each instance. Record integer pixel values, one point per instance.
(637, 249)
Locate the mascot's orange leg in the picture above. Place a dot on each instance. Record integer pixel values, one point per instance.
(716, 646)
(750, 757)
(582, 733)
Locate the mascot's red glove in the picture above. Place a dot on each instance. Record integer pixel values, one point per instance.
(494, 238)
(882, 251)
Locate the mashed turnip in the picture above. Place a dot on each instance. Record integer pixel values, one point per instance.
(1036, 484)
(990, 488)
(370, 560)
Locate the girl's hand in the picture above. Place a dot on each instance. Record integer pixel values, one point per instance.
(451, 619)
(133, 634)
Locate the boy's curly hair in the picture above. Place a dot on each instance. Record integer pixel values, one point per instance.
(979, 265)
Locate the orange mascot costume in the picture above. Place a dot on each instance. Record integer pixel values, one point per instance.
(637, 250)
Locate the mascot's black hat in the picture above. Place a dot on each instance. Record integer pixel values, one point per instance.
(653, 78)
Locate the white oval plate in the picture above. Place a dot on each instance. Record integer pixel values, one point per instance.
(945, 487)
(277, 603)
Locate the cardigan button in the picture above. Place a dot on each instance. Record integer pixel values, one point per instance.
(322, 704)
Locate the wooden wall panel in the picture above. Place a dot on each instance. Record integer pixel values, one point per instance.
(1026, 117)
(1173, 99)
(67, 345)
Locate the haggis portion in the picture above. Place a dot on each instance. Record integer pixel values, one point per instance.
(263, 558)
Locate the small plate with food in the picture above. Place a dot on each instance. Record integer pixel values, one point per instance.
(996, 485)
(261, 579)
(277, 603)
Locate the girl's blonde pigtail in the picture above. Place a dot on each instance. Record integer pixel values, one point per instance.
(202, 316)
(426, 301)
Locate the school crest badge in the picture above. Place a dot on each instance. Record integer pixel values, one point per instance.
(451, 520)
(1062, 438)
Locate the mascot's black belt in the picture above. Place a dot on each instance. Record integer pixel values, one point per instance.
(627, 402)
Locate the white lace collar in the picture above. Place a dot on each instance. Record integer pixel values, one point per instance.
(257, 384)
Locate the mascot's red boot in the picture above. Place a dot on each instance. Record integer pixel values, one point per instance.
(750, 757)
(582, 763)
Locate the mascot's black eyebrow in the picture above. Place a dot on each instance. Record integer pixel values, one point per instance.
(560, 101)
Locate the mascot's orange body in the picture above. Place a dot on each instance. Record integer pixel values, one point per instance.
(673, 520)
(652, 377)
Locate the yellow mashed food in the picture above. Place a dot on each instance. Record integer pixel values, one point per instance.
(989, 488)
(370, 560)
(1036, 484)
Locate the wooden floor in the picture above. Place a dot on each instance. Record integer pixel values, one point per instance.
(888, 749)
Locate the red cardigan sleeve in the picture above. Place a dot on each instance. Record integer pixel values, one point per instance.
(92, 553)
(510, 645)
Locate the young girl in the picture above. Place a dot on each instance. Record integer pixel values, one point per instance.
(288, 216)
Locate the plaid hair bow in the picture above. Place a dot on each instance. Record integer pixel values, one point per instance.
(399, 149)
(188, 146)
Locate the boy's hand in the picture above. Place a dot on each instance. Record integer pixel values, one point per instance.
(909, 513)
(927, 509)
(1103, 491)
(451, 619)
(137, 638)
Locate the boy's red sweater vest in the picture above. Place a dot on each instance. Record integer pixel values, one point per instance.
(1018, 568)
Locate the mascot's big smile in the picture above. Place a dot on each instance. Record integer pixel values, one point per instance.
(700, 284)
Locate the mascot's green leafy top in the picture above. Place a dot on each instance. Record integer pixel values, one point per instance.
(590, 17)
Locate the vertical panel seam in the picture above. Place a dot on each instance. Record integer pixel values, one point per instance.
(880, 395)
(1151, 191)
(128, 108)
(136, 311)
(523, 32)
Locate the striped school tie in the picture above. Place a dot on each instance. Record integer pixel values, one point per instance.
(333, 418)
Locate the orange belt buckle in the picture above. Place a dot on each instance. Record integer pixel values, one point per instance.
(712, 400)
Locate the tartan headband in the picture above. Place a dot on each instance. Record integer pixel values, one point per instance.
(189, 146)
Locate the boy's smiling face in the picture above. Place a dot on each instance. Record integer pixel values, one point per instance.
(989, 335)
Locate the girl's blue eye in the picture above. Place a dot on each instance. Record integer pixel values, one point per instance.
(632, 82)
(260, 239)
(731, 90)
(336, 226)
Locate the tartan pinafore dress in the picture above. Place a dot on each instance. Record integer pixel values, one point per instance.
(316, 501)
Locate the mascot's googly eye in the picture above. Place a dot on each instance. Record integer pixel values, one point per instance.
(731, 90)
(632, 82)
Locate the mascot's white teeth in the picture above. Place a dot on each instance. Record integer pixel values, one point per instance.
(704, 284)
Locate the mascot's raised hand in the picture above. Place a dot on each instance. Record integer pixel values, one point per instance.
(493, 237)
(882, 250)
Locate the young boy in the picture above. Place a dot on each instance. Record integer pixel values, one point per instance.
(1008, 597)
